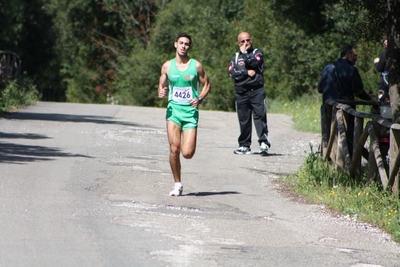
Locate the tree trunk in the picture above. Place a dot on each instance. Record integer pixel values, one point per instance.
(393, 53)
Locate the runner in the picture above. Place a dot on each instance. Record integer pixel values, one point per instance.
(182, 76)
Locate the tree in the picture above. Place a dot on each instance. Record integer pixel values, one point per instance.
(211, 25)
(384, 18)
(92, 35)
(393, 53)
(137, 17)
(97, 48)
(27, 31)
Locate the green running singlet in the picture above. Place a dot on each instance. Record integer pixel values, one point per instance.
(183, 86)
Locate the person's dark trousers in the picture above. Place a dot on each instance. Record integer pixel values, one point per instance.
(251, 103)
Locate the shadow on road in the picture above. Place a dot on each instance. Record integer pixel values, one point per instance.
(19, 154)
(203, 194)
(65, 118)
(266, 154)
(22, 136)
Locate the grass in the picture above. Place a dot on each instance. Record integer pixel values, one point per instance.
(18, 93)
(305, 112)
(320, 182)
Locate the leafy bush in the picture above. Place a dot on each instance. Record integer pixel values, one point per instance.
(18, 93)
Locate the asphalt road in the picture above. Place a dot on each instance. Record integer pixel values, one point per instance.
(87, 185)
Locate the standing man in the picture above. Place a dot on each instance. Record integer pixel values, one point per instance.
(246, 68)
(349, 77)
(341, 81)
(182, 76)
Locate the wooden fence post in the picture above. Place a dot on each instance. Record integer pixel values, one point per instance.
(359, 141)
(343, 155)
(346, 128)
(376, 162)
(394, 158)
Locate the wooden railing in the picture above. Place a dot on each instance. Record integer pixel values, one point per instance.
(347, 139)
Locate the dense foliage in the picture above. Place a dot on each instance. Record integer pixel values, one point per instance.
(99, 50)
(18, 93)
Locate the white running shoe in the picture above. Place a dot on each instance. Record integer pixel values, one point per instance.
(263, 147)
(243, 150)
(178, 189)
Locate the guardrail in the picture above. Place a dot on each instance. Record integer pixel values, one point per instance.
(10, 66)
(346, 139)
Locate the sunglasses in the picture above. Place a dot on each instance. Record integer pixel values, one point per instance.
(245, 40)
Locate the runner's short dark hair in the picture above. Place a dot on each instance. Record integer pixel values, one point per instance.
(184, 34)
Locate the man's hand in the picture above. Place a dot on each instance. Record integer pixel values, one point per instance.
(251, 73)
(244, 47)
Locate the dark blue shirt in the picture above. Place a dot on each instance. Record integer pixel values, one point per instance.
(341, 80)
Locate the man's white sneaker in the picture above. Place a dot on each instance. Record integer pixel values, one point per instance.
(263, 147)
(178, 189)
(242, 150)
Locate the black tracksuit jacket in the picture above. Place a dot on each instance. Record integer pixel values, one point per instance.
(239, 66)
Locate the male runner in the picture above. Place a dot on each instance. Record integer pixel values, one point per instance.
(182, 76)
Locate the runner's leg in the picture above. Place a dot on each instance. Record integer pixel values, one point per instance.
(174, 139)
(189, 143)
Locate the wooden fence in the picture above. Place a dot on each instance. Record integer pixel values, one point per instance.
(348, 136)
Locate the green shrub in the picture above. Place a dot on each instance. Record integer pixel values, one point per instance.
(18, 93)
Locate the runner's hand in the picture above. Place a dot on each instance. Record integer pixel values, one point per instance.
(163, 92)
(194, 102)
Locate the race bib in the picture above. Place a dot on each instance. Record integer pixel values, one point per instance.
(181, 94)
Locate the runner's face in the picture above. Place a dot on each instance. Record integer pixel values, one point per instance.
(182, 46)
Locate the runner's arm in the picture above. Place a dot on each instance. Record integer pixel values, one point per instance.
(203, 79)
(163, 81)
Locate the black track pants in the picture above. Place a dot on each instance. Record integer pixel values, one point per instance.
(251, 103)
